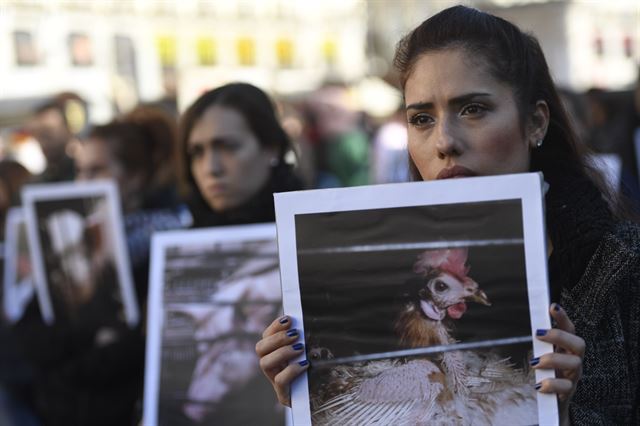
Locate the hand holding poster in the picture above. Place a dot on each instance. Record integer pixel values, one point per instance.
(418, 302)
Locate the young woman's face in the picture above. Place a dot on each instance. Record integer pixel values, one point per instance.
(461, 121)
(227, 161)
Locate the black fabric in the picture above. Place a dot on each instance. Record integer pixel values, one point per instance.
(594, 271)
(258, 209)
(577, 219)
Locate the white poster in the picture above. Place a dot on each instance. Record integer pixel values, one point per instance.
(212, 292)
(18, 278)
(78, 252)
(418, 302)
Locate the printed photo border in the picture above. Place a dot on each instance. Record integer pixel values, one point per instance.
(31, 194)
(156, 314)
(14, 304)
(525, 187)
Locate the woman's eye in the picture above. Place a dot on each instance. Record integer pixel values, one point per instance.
(195, 152)
(420, 120)
(473, 109)
(440, 286)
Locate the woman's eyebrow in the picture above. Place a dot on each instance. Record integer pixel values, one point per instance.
(453, 101)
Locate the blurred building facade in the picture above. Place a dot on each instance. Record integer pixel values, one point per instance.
(125, 51)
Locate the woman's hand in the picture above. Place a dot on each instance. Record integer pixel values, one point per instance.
(566, 360)
(277, 347)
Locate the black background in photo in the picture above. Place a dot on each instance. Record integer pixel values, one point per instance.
(350, 301)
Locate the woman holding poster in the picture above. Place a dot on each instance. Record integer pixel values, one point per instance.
(480, 101)
(233, 160)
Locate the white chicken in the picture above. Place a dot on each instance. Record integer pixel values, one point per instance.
(454, 388)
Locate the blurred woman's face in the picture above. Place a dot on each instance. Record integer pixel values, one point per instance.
(227, 161)
(463, 122)
(93, 161)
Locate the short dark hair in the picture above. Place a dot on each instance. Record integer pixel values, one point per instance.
(512, 57)
(252, 103)
(129, 144)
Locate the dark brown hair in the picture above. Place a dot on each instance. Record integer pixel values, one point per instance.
(514, 58)
(129, 144)
(161, 132)
(252, 103)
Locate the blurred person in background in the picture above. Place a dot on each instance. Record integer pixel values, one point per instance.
(390, 163)
(13, 176)
(15, 374)
(55, 125)
(233, 150)
(94, 375)
(610, 126)
(341, 143)
(161, 134)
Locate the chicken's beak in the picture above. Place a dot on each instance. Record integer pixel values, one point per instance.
(480, 297)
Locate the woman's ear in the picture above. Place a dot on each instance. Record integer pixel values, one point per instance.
(537, 125)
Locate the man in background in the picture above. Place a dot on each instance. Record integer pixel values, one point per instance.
(55, 125)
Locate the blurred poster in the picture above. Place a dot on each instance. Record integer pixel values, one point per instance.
(402, 291)
(212, 293)
(18, 279)
(79, 256)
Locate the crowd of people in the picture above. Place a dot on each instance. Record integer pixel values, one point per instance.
(220, 162)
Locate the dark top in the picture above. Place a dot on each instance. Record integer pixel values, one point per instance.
(594, 271)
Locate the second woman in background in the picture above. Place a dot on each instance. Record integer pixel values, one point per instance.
(233, 156)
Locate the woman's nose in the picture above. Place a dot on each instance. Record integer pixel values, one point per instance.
(214, 163)
(447, 142)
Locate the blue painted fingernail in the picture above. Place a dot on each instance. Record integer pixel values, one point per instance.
(303, 363)
(292, 332)
(534, 361)
(556, 307)
(297, 346)
(284, 320)
(538, 386)
(541, 332)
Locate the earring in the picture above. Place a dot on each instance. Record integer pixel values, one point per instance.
(539, 143)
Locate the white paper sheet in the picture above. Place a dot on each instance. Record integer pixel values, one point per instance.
(344, 252)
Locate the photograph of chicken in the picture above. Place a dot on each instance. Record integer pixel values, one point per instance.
(421, 319)
(217, 297)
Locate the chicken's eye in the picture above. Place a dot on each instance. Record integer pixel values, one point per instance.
(441, 286)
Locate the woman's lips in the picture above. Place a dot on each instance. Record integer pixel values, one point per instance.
(216, 188)
(455, 172)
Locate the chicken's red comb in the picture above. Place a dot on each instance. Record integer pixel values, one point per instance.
(452, 261)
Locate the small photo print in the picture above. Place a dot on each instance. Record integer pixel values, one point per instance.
(212, 294)
(417, 313)
(18, 278)
(78, 252)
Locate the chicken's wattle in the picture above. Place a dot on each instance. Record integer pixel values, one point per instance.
(456, 311)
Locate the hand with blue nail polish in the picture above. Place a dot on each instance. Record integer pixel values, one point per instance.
(566, 360)
(277, 349)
